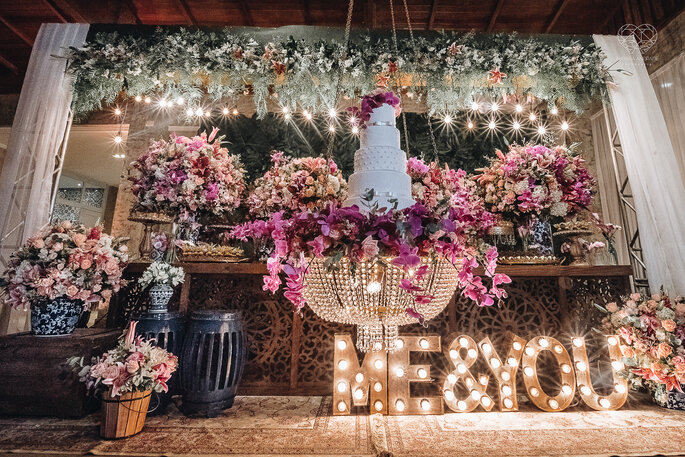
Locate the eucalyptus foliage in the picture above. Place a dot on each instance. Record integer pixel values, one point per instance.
(446, 69)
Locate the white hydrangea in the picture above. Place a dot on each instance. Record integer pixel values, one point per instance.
(559, 209)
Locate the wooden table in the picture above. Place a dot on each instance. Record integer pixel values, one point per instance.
(293, 354)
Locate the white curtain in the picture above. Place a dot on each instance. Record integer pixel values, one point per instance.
(669, 85)
(38, 129)
(652, 167)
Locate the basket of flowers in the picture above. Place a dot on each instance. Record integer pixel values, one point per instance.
(126, 377)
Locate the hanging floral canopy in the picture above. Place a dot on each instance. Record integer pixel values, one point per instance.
(446, 70)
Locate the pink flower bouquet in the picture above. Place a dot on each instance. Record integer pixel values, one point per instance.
(536, 181)
(188, 178)
(651, 332)
(66, 260)
(291, 185)
(135, 365)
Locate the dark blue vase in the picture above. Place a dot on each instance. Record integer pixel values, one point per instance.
(55, 317)
(214, 354)
(168, 330)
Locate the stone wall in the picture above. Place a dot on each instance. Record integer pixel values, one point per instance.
(670, 43)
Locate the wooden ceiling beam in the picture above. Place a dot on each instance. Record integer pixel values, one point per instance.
(185, 9)
(611, 15)
(495, 14)
(132, 8)
(370, 14)
(247, 17)
(431, 17)
(69, 9)
(55, 10)
(25, 38)
(556, 15)
(307, 13)
(9, 65)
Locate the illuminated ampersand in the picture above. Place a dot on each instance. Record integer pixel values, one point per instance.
(543, 401)
(619, 394)
(461, 374)
(505, 372)
(354, 382)
(401, 373)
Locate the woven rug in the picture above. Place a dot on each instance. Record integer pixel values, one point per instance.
(286, 426)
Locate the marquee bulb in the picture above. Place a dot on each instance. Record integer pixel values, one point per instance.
(486, 402)
(554, 111)
(399, 372)
(424, 343)
(378, 364)
(494, 107)
(566, 389)
(553, 403)
(506, 390)
(534, 392)
(617, 365)
(461, 405)
(528, 371)
(530, 351)
(425, 405)
(342, 386)
(472, 353)
(358, 394)
(463, 342)
(469, 125)
(342, 345)
(378, 387)
(343, 364)
(612, 341)
(581, 366)
(508, 403)
(585, 390)
(495, 363)
(452, 378)
(577, 342)
(454, 353)
(604, 403)
(359, 377)
(449, 395)
(139, 98)
(118, 139)
(505, 376)
(517, 346)
(399, 344)
(399, 405)
(566, 368)
(378, 405)
(564, 126)
(422, 373)
(486, 348)
(225, 111)
(475, 395)
(543, 342)
(342, 406)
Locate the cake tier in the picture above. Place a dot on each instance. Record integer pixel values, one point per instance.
(387, 184)
(380, 158)
(383, 115)
(380, 135)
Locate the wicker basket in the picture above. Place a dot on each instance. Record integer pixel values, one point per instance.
(124, 415)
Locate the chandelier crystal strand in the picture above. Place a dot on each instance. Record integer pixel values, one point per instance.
(368, 295)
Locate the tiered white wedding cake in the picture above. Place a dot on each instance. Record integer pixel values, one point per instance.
(380, 164)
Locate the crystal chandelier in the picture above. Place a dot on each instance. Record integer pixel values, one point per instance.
(368, 295)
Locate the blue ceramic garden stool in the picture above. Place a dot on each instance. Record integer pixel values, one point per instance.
(168, 330)
(214, 355)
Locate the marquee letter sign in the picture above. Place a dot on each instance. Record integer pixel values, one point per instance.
(383, 380)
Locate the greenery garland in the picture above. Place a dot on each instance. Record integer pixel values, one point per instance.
(448, 69)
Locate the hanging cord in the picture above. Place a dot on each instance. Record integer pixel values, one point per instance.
(428, 117)
(341, 62)
(399, 83)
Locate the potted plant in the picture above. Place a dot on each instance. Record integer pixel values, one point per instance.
(651, 331)
(126, 376)
(62, 271)
(164, 277)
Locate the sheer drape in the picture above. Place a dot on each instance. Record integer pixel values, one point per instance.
(669, 85)
(652, 167)
(37, 131)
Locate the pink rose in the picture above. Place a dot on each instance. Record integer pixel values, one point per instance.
(635, 296)
(86, 263)
(132, 366)
(612, 307)
(668, 324)
(112, 267)
(72, 291)
(57, 246)
(110, 372)
(38, 243)
(664, 350)
(369, 247)
(680, 309)
(79, 239)
(627, 351)
(106, 294)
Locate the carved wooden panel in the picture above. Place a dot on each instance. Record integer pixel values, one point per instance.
(315, 363)
(583, 293)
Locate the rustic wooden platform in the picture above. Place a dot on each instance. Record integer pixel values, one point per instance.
(34, 380)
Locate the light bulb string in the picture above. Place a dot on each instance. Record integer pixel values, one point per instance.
(341, 63)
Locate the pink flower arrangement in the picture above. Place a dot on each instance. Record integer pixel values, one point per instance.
(66, 260)
(536, 180)
(307, 183)
(377, 98)
(135, 365)
(651, 332)
(453, 231)
(187, 178)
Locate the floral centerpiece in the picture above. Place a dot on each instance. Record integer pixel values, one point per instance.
(62, 271)
(377, 98)
(188, 178)
(651, 331)
(307, 183)
(126, 375)
(433, 185)
(163, 277)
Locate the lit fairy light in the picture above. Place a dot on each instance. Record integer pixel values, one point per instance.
(287, 116)
(225, 111)
(447, 119)
(148, 100)
(199, 112)
(163, 103)
(180, 101)
(542, 130)
(492, 125)
(564, 126)
(307, 115)
(333, 113)
(331, 128)
(475, 106)
(284, 109)
(494, 107)
(208, 113)
(138, 98)
(469, 125)
(554, 111)
(516, 125)
(532, 117)
(117, 112)
(189, 112)
(519, 108)
(118, 139)
(355, 129)
(119, 156)
(235, 111)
